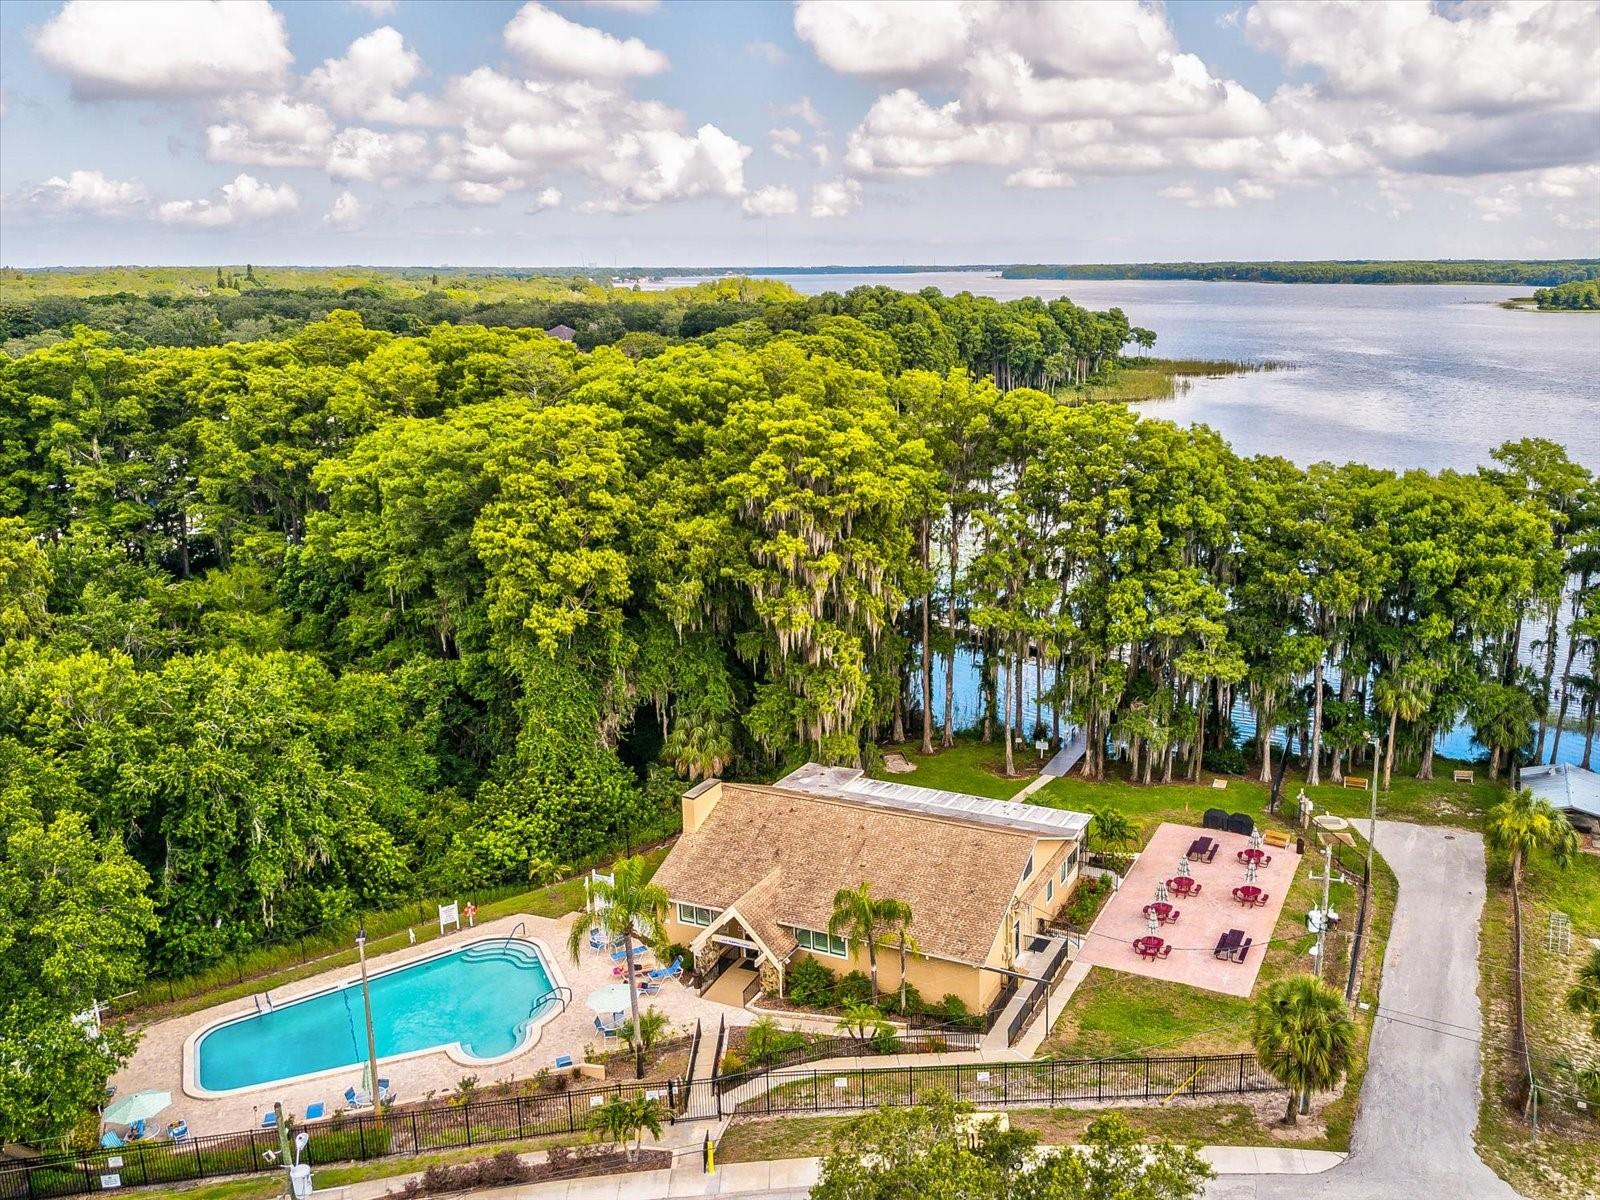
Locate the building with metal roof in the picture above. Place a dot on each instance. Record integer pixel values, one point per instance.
(1572, 790)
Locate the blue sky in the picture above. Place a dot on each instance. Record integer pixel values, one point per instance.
(414, 132)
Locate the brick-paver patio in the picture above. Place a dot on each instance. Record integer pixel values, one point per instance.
(1204, 918)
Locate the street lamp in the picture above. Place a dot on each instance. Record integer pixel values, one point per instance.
(1372, 823)
(372, 1042)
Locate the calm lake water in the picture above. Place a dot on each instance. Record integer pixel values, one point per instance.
(1426, 376)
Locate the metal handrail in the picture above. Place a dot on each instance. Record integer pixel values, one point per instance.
(520, 925)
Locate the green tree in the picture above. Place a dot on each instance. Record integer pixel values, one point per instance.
(628, 907)
(624, 1118)
(1584, 996)
(1521, 826)
(652, 1023)
(860, 916)
(1303, 1037)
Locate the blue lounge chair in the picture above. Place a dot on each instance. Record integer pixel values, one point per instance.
(621, 952)
(314, 1111)
(178, 1130)
(269, 1120)
(110, 1140)
(650, 987)
(671, 972)
(564, 1060)
(136, 1130)
(604, 1029)
(357, 1099)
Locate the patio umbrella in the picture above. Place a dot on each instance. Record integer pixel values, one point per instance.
(1183, 867)
(1255, 839)
(1153, 924)
(136, 1106)
(1250, 871)
(609, 999)
(1161, 891)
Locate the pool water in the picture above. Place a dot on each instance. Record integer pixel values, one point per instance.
(484, 996)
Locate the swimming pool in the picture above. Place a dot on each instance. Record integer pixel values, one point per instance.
(481, 1001)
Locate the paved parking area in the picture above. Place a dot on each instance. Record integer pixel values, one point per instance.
(1203, 918)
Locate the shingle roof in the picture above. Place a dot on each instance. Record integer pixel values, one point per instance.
(958, 876)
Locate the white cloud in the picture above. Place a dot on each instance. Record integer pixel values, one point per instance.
(347, 212)
(1193, 197)
(632, 6)
(1248, 189)
(652, 166)
(836, 198)
(375, 8)
(366, 83)
(90, 193)
(544, 200)
(1567, 182)
(1504, 203)
(774, 200)
(550, 43)
(270, 131)
(109, 48)
(370, 155)
(884, 39)
(767, 52)
(784, 142)
(465, 191)
(820, 152)
(1040, 177)
(804, 110)
(904, 135)
(245, 199)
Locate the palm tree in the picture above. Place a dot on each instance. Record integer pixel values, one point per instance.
(632, 908)
(621, 1118)
(1303, 1037)
(644, 1115)
(1502, 716)
(1520, 825)
(859, 915)
(863, 1021)
(897, 915)
(1405, 696)
(1585, 994)
(652, 1024)
(1110, 828)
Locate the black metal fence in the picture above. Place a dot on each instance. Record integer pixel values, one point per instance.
(1053, 974)
(514, 1118)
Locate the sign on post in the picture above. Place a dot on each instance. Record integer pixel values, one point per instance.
(449, 914)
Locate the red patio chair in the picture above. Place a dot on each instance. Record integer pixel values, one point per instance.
(1166, 949)
(1172, 917)
(1262, 899)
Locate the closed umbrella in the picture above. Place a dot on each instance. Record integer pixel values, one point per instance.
(1255, 839)
(136, 1106)
(1250, 871)
(1161, 891)
(1183, 867)
(1153, 924)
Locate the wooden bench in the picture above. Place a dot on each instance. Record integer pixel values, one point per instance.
(1355, 781)
(1462, 776)
(1276, 837)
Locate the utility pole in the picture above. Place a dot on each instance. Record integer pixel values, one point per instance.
(283, 1145)
(372, 1042)
(1372, 826)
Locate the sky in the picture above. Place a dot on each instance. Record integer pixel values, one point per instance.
(631, 132)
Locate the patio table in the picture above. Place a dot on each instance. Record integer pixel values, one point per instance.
(1258, 857)
(1249, 894)
(1150, 947)
(1164, 912)
(1228, 943)
(1184, 885)
(1199, 847)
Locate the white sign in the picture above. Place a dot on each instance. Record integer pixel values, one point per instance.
(653, 1094)
(983, 1077)
(110, 1181)
(594, 1101)
(449, 914)
(114, 1162)
(841, 1083)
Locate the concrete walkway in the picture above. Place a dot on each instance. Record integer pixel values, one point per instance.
(1419, 1101)
(793, 1177)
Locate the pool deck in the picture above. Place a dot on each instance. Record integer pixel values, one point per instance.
(164, 1059)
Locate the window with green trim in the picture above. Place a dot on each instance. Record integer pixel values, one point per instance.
(822, 943)
(695, 914)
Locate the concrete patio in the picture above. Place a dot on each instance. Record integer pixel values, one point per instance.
(159, 1062)
(1203, 918)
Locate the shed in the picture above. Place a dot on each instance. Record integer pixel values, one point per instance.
(1572, 790)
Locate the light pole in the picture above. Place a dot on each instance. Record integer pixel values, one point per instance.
(372, 1042)
(1372, 822)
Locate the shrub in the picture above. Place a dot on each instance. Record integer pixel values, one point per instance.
(810, 983)
(854, 988)
(913, 1000)
(732, 1064)
(766, 1041)
(953, 1006)
(1086, 900)
(499, 1171)
(674, 950)
(1224, 760)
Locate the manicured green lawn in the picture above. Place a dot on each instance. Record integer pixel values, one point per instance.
(969, 766)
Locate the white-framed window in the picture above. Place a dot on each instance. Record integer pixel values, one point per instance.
(818, 942)
(1066, 865)
(695, 914)
(1028, 869)
(1049, 890)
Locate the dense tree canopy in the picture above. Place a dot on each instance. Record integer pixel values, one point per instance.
(299, 627)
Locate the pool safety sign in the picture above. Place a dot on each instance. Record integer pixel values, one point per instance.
(107, 1182)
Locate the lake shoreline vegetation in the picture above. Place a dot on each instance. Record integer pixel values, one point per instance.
(318, 602)
(1354, 271)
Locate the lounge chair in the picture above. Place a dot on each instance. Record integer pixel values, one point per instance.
(269, 1119)
(355, 1099)
(621, 952)
(650, 987)
(136, 1130)
(314, 1111)
(671, 972)
(564, 1060)
(109, 1140)
(178, 1130)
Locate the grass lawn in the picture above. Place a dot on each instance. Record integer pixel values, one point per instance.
(553, 901)
(969, 766)
(1564, 1160)
(269, 1185)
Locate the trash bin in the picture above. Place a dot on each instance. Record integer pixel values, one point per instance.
(1299, 845)
(300, 1180)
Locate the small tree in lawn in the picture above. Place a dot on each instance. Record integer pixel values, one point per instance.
(645, 1116)
(1520, 825)
(632, 908)
(1303, 1037)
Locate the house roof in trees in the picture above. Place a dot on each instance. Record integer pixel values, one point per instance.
(1569, 788)
(854, 784)
(783, 854)
(565, 332)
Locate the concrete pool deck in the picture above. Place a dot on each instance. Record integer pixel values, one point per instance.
(164, 1060)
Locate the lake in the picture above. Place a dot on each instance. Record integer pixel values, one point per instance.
(1403, 376)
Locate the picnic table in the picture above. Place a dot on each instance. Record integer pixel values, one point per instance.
(1260, 857)
(1202, 849)
(1151, 947)
(1250, 895)
(1163, 911)
(1233, 946)
(1183, 885)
